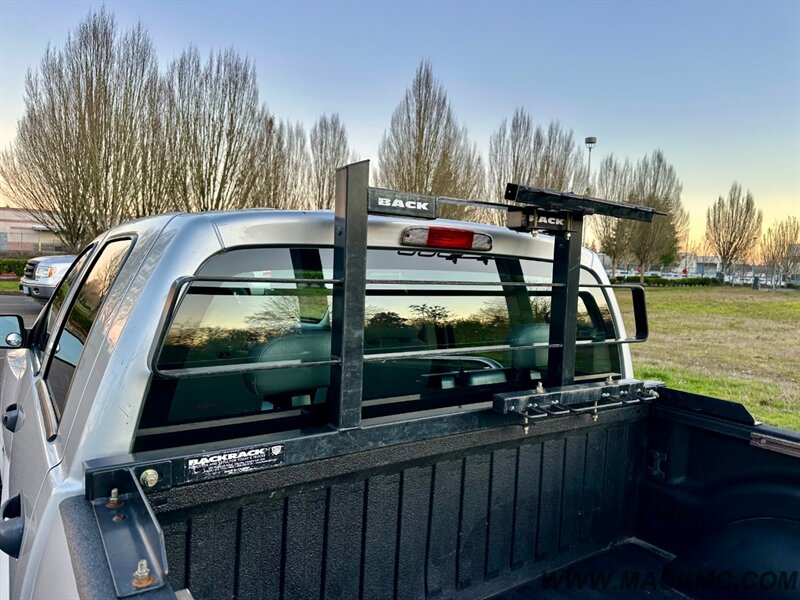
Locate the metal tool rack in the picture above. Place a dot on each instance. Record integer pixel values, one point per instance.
(558, 213)
(553, 397)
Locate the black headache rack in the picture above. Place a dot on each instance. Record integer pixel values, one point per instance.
(558, 213)
(117, 487)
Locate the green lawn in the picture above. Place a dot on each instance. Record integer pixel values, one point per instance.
(730, 343)
(9, 285)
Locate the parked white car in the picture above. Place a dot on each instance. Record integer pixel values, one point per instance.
(43, 274)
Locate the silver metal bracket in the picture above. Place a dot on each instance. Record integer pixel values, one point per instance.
(132, 538)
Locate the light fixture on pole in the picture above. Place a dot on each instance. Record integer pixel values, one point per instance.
(590, 142)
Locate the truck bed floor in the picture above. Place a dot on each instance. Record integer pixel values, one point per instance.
(628, 570)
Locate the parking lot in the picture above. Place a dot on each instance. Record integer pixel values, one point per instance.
(17, 304)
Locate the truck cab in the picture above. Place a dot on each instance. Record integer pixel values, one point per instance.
(262, 404)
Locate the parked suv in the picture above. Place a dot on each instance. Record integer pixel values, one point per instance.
(43, 274)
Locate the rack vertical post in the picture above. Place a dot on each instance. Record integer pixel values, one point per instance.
(347, 313)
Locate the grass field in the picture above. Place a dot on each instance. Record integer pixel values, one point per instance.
(730, 343)
(9, 285)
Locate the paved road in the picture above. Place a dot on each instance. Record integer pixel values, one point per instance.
(21, 305)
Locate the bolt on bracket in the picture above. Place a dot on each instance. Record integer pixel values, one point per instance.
(132, 538)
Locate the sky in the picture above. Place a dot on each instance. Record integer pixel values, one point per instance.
(715, 85)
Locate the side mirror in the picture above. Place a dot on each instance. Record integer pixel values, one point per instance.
(12, 332)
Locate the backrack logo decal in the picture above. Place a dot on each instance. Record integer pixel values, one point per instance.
(388, 202)
(409, 204)
(550, 221)
(232, 462)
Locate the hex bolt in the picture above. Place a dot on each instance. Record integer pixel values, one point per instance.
(142, 570)
(142, 576)
(149, 478)
(114, 500)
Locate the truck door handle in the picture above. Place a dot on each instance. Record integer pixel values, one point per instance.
(12, 418)
(12, 525)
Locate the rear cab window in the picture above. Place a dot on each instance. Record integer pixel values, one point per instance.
(266, 318)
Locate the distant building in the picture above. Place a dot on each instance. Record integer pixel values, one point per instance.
(699, 266)
(20, 234)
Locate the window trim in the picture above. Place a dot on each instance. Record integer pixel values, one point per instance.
(39, 329)
(49, 354)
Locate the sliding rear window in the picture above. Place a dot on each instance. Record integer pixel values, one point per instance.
(258, 322)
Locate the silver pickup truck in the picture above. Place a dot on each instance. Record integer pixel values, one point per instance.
(43, 274)
(268, 404)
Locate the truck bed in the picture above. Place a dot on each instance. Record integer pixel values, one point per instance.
(630, 504)
(644, 499)
(462, 515)
(605, 575)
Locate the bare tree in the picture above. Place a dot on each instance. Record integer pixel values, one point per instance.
(614, 182)
(780, 249)
(297, 166)
(156, 167)
(425, 150)
(521, 152)
(558, 160)
(656, 184)
(790, 234)
(329, 151)
(511, 158)
(733, 226)
(284, 164)
(217, 118)
(76, 164)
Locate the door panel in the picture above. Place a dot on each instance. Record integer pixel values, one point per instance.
(32, 457)
(16, 381)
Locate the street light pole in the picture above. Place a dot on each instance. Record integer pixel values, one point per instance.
(590, 142)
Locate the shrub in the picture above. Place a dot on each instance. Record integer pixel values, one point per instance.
(653, 280)
(13, 265)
